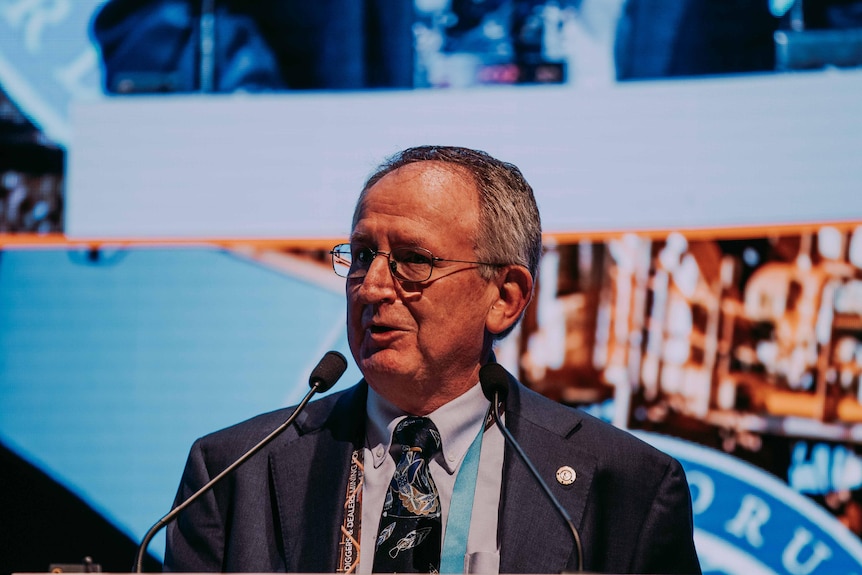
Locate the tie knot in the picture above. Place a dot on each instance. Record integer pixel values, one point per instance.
(419, 433)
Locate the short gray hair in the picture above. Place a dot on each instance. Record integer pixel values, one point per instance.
(510, 229)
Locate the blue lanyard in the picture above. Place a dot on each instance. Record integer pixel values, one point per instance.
(460, 511)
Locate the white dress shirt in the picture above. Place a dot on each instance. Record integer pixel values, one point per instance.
(459, 422)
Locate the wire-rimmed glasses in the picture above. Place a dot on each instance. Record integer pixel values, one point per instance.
(406, 263)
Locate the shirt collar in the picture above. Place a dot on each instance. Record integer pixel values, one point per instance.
(458, 422)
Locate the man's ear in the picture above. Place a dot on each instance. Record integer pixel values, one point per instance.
(515, 288)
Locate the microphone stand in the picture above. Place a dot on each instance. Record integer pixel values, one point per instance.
(145, 542)
(560, 509)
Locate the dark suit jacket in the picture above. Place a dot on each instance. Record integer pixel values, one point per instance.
(283, 509)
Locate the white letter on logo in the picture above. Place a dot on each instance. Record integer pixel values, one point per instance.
(34, 16)
(703, 491)
(790, 557)
(752, 515)
(73, 77)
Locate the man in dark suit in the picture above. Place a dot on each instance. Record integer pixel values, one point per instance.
(404, 467)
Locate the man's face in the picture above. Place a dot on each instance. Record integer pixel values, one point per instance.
(419, 345)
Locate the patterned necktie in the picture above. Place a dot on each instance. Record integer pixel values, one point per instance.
(410, 533)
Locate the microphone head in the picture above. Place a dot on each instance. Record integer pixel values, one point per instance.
(494, 380)
(328, 370)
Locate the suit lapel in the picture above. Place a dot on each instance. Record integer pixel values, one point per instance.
(527, 545)
(309, 472)
(309, 478)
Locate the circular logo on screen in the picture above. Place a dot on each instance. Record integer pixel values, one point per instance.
(749, 522)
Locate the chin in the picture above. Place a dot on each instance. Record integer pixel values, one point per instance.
(377, 365)
(385, 366)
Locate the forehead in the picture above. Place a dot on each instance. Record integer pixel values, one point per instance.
(424, 196)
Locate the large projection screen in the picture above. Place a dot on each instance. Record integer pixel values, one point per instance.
(701, 284)
(676, 154)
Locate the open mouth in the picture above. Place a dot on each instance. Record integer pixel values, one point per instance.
(380, 329)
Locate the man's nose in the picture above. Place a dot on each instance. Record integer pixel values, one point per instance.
(378, 282)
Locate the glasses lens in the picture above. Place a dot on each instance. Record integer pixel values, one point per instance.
(341, 260)
(406, 264)
(412, 264)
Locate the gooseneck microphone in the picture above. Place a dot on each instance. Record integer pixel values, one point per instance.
(495, 385)
(328, 370)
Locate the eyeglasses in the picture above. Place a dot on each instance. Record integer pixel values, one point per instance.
(409, 264)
